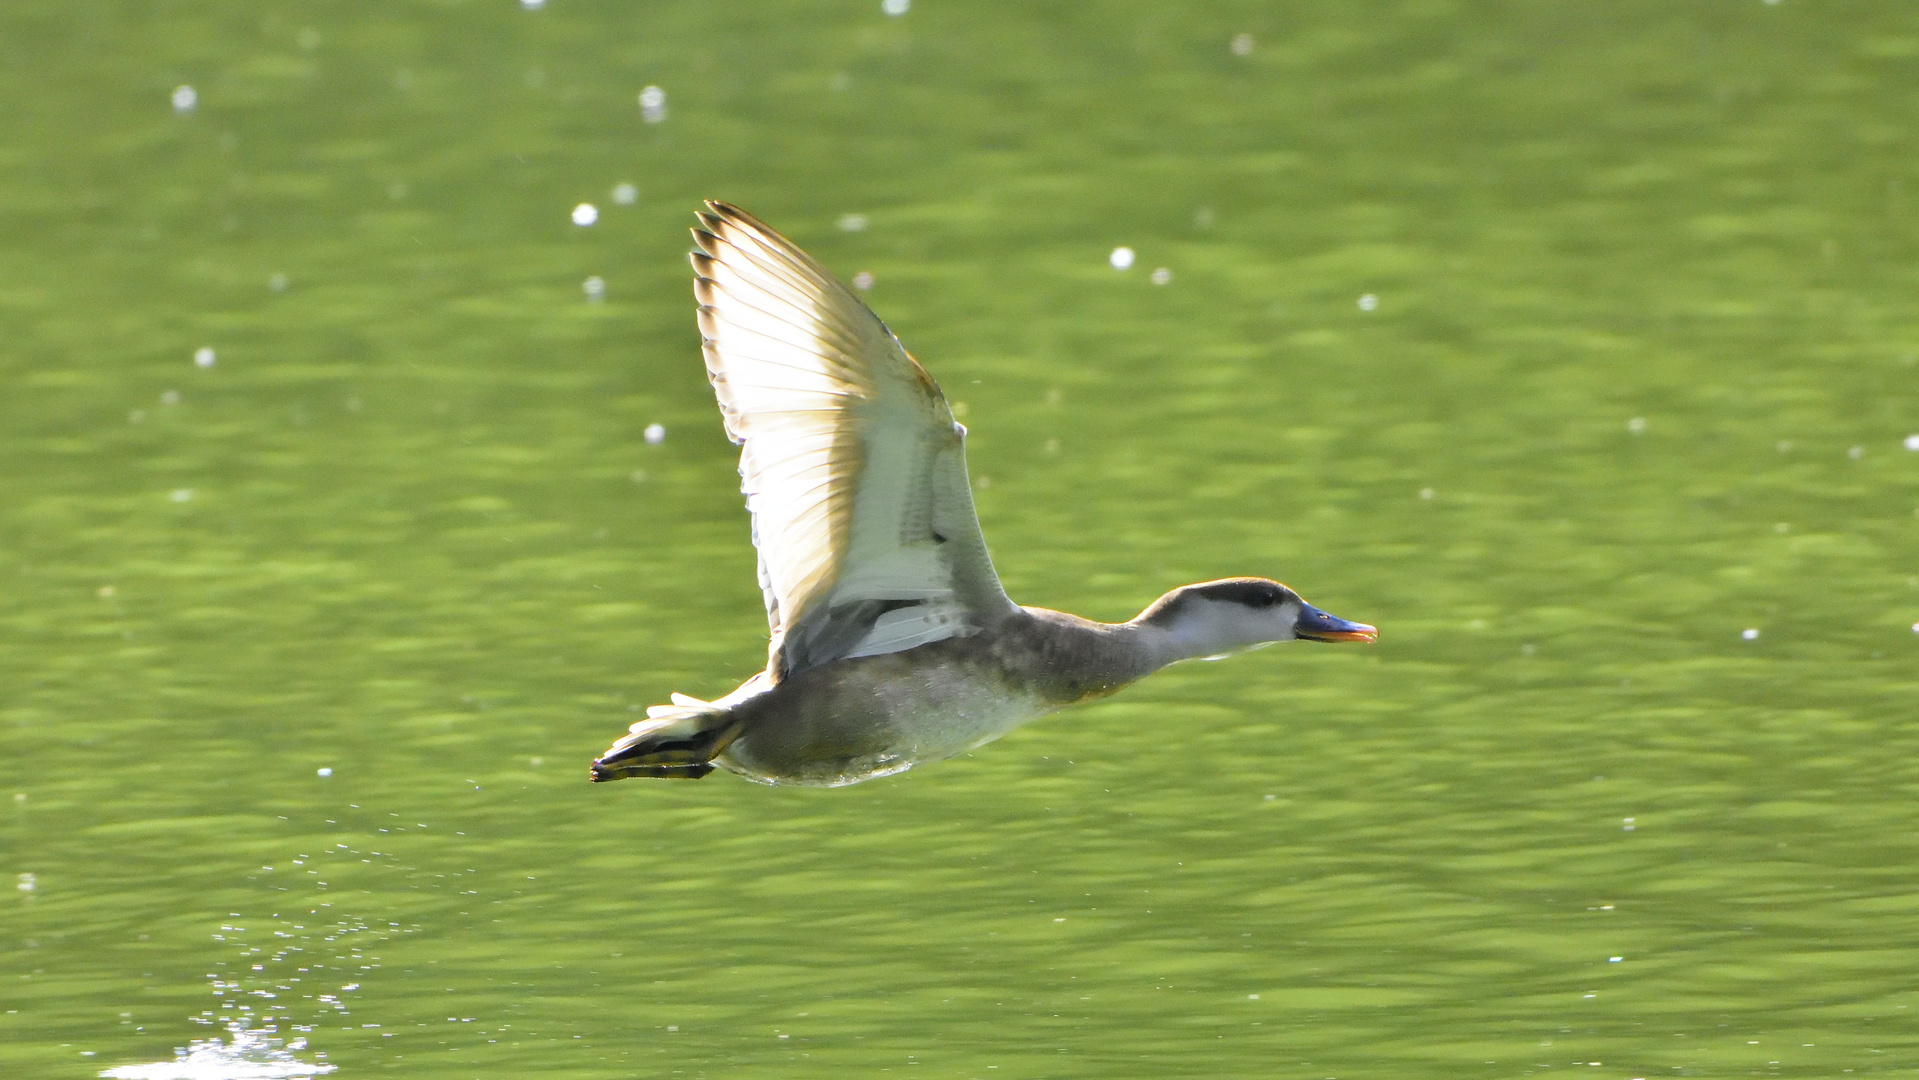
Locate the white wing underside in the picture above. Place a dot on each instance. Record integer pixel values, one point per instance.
(853, 468)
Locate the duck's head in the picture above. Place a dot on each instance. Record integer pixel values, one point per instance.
(1214, 618)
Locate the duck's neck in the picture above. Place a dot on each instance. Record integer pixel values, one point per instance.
(1085, 657)
(1162, 645)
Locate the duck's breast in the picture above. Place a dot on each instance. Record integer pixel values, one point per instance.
(857, 719)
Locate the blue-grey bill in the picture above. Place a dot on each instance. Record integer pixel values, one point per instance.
(1317, 625)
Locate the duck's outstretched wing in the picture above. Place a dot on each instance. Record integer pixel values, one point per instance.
(853, 467)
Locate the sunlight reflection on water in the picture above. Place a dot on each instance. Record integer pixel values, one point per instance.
(251, 1055)
(262, 992)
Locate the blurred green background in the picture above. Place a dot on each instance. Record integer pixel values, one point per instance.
(1573, 344)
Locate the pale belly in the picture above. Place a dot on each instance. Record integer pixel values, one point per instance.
(862, 727)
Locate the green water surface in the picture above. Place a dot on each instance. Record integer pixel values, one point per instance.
(1635, 377)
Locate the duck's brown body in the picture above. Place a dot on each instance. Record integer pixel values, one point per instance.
(856, 719)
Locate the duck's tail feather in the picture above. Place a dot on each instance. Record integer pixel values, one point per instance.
(677, 741)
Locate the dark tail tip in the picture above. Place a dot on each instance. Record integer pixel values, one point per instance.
(602, 771)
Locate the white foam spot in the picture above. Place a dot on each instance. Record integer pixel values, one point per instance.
(863, 280)
(1749, 634)
(203, 357)
(1427, 493)
(28, 882)
(585, 214)
(1121, 258)
(185, 99)
(655, 434)
(251, 1055)
(1368, 302)
(1242, 44)
(1162, 276)
(1614, 959)
(181, 494)
(626, 194)
(532, 5)
(594, 287)
(1637, 425)
(1856, 453)
(323, 771)
(896, 7)
(1912, 442)
(852, 222)
(652, 104)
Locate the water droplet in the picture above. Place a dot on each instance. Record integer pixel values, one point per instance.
(655, 434)
(1162, 276)
(594, 287)
(1856, 453)
(1427, 493)
(532, 5)
(203, 357)
(1121, 258)
(185, 99)
(28, 882)
(181, 495)
(1369, 302)
(1912, 442)
(323, 771)
(626, 194)
(1637, 425)
(1749, 634)
(852, 222)
(863, 280)
(896, 7)
(1242, 44)
(652, 104)
(585, 214)
(277, 283)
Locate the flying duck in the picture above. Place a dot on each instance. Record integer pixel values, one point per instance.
(893, 643)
